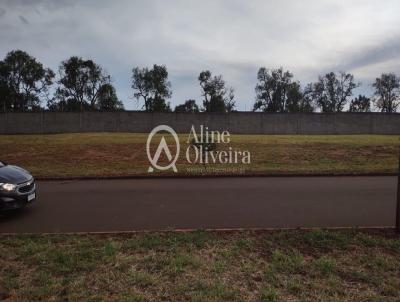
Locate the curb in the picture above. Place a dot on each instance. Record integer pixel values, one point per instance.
(180, 176)
(209, 230)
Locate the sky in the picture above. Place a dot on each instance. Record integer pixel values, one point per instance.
(229, 37)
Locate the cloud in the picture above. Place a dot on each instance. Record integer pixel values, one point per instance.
(233, 38)
(23, 20)
(386, 51)
(48, 4)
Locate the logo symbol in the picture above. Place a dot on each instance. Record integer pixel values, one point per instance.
(162, 147)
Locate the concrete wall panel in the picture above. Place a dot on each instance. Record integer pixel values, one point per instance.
(236, 123)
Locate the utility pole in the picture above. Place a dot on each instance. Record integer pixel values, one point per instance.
(398, 199)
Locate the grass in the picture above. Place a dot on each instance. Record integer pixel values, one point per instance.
(124, 154)
(296, 265)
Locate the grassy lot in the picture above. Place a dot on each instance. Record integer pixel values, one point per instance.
(292, 265)
(117, 154)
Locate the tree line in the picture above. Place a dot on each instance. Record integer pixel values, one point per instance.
(83, 85)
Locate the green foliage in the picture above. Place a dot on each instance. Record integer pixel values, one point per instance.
(202, 266)
(332, 91)
(153, 87)
(82, 83)
(291, 262)
(107, 99)
(23, 82)
(297, 100)
(387, 92)
(268, 294)
(360, 104)
(325, 265)
(276, 92)
(109, 249)
(326, 240)
(217, 98)
(189, 106)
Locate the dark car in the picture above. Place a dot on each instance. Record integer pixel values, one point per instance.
(17, 187)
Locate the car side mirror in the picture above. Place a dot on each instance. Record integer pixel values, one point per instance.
(3, 162)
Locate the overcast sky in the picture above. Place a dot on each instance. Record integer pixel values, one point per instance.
(228, 37)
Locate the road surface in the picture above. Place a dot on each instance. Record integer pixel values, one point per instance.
(217, 203)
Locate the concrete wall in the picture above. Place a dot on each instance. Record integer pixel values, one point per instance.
(236, 123)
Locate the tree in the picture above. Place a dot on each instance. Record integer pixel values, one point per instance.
(23, 82)
(360, 104)
(387, 92)
(70, 104)
(230, 103)
(217, 98)
(189, 106)
(307, 103)
(158, 104)
(271, 89)
(80, 82)
(153, 87)
(276, 92)
(5, 91)
(108, 100)
(294, 97)
(332, 91)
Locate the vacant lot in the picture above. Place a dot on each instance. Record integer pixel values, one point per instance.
(118, 154)
(200, 266)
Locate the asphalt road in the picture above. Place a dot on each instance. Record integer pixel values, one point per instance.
(149, 204)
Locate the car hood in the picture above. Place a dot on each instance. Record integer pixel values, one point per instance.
(13, 174)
